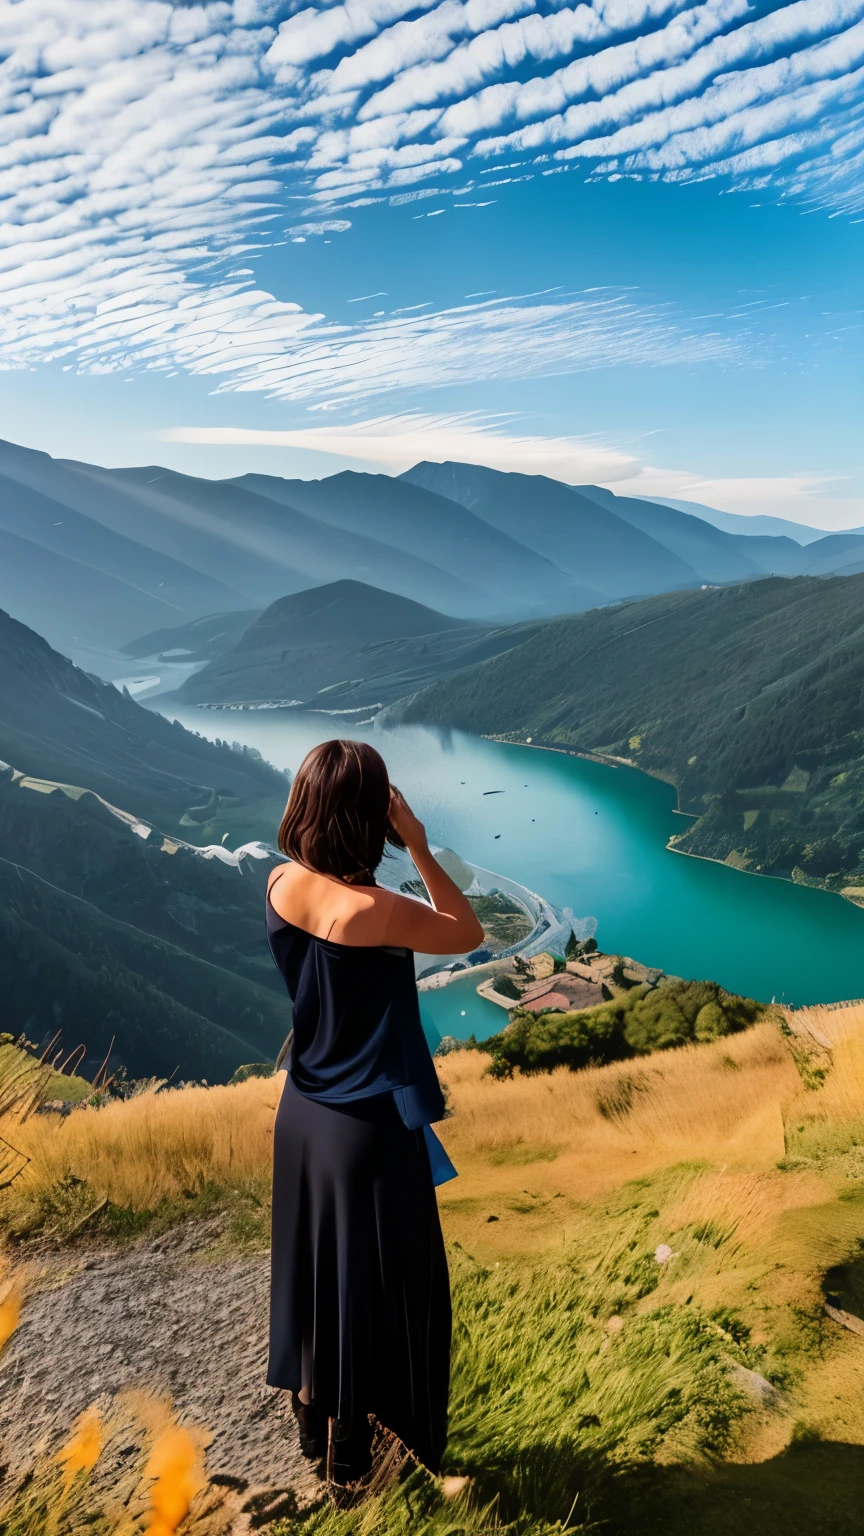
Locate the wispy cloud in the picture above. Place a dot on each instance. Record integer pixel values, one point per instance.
(247, 341)
(394, 443)
(148, 147)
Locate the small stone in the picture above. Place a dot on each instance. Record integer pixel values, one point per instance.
(451, 1487)
(663, 1253)
(614, 1324)
(754, 1385)
(845, 1319)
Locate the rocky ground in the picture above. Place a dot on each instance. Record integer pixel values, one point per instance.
(161, 1317)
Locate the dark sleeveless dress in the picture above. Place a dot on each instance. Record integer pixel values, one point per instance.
(360, 1294)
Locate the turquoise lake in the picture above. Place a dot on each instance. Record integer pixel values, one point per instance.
(593, 838)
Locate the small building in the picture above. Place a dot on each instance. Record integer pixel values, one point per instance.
(571, 993)
(554, 1000)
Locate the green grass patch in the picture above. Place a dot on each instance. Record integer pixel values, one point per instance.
(521, 1153)
(69, 1211)
(556, 1416)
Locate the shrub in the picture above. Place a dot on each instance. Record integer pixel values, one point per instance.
(656, 1023)
(710, 1022)
(643, 1020)
(252, 1069)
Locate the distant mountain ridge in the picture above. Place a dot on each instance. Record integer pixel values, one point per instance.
(587, 540)
(759, 524)
(97, 558)
(512, 576)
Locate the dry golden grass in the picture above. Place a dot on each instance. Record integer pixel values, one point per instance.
(706, 1101)
(152, 1148)
(727, 1106)
(754, 1181)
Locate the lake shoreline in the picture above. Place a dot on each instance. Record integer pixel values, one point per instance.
(607, 760)
(595, 842)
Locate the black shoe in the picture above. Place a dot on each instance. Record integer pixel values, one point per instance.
(311, 1429)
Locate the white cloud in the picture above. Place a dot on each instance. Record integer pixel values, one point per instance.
(755, 489)
(147, 146)
(395, 443)
(249, 342)
(323, 227)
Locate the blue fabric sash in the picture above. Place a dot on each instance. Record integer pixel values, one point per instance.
(442, 1168)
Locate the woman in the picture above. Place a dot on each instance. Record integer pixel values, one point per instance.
(360, 1297)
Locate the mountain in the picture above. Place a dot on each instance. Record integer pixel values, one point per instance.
(61, 724)
(206, 901)
(102, 560)
(200, 640)
(77, 580)
(833, 554)
(243, 550)
(77, 607)
(114, 562)
(777, 555)
(286, 540)
(510, 575)
(588, 541)
(340, 649)
(749, 699)
(148, 506)
(737, 522)
(717, 556)
(112, 922)
(836, 554)
(67, 966)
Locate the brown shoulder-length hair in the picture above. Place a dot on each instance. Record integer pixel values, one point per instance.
(337, 817)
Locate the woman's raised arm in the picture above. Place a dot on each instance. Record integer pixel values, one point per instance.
(451, 927)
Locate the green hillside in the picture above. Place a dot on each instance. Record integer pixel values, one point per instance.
(354, 645)
(67, 966)
(749, 699)
(208, 903)
(60, 723)
(114, 921)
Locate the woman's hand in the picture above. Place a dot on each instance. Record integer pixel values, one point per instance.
(403, 821)
(449, 926)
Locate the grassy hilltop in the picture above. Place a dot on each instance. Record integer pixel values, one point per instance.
(749, 699)
(642, 1255)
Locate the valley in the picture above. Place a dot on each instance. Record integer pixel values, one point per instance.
(147, 824)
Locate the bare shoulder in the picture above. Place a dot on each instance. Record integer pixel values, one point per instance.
(327, 908)
(290, 882)
(364, 915)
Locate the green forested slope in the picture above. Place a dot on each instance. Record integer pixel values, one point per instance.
(67, 966)
(164, 949)
(750, 699)
(355, 645)
(60, 723)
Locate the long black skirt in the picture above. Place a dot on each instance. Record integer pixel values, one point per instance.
(360, 1294)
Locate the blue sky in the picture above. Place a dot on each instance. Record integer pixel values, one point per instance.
(618, 243)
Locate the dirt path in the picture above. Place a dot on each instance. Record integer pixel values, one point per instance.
(162, 1318)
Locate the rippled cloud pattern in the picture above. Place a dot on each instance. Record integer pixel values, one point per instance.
(147, 147)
